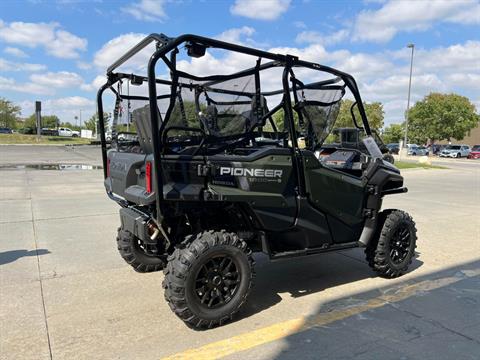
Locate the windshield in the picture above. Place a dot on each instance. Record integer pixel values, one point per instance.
(453, 147)
(476, 148)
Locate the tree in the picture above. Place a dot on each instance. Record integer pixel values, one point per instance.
(441, 117)
(374, 111)
(393, 133)
(91, 124)
(48, 121)
(278, 120)
(9, 113)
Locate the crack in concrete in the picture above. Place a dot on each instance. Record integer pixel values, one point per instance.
(39, 273)
(435, 323)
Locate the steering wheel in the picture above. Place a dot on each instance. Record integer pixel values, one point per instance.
(185, 128)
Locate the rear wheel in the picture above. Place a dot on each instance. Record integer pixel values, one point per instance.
(393, 250)
(132, 251)
(208, 280)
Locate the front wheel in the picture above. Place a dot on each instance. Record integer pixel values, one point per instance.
(393, 250)
(208, 280)
(459, 155)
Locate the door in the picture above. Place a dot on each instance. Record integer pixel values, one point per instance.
(339, 195)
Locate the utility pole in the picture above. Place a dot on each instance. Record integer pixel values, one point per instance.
(38, 118)
(411, 46)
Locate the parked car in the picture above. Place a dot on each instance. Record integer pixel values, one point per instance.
(435, 149)
(455, 151)
(474, 153)
(415, 150)
(394, 148)
(68, 132)
(5, 130)
(49, 132)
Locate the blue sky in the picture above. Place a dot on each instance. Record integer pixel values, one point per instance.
(57, 51)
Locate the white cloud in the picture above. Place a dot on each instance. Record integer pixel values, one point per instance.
(464, 80)
(66, 108)
(9, 84)
(316, 37)
(459, 56)
(260, 9)
(61, 79)
(95, 84)
(147, 10)
(43, 84)
(409, 15)
(6, 65)
(66, 45)
(390, 88)
(299, 24)
(115, 48)
(84, 65)
(55, 41)
(234, 35)
(15, 52)
(70, 102)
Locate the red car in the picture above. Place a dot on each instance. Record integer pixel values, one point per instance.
(475, 153)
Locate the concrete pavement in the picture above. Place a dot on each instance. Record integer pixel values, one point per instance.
(65, 293)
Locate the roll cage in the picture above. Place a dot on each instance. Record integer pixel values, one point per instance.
(196, 47)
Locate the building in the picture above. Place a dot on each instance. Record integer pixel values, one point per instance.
(472, 139)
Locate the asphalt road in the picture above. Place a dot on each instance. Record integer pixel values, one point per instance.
(65, 293)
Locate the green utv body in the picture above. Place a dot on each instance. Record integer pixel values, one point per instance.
(214, 167)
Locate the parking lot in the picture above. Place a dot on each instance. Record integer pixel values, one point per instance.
(65, 293)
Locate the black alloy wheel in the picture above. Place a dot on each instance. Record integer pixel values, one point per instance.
(392, 250)
(217, 281)
(208, 278)
(400, 244)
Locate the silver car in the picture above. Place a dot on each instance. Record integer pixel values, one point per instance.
(455, 151)
(415, 150)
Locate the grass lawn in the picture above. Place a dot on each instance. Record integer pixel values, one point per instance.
(44, 140)
(411, 165)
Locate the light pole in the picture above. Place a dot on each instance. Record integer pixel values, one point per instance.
(411, 46)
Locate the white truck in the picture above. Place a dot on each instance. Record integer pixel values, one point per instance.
(63, 131)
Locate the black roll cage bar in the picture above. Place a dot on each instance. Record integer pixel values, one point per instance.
(164, 45)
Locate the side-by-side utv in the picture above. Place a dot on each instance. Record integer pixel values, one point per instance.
(225, 158)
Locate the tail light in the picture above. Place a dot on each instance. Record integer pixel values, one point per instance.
(108, 167)
(148, 177)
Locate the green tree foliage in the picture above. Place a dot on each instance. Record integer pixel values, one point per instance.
(374, 111)
(441, 117)
(91, 124)
(278, 120)
(190, 120)
(9, 113)
(49, 121)
(393, 133)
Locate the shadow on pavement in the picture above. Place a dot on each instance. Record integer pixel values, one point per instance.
(13, 255)
(436, 316)
(303, 276)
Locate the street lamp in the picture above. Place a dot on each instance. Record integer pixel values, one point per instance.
(411, 46)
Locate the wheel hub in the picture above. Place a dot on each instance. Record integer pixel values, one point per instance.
(217, 281)
(400, 244)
